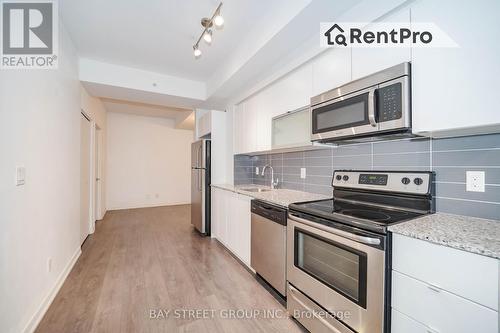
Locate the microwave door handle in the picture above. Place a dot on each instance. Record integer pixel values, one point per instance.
(371, 108)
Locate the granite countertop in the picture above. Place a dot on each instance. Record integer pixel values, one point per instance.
(281, 197)
(465, 233)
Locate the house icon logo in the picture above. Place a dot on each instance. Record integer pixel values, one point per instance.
(335, 35)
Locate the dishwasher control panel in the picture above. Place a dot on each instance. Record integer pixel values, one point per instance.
(272, 212)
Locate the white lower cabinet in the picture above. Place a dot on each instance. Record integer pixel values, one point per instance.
(440, 310)
(231, 222)
(402, 323)
(437, 289)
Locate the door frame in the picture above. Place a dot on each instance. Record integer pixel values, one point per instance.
(91, 226)
(98, 170)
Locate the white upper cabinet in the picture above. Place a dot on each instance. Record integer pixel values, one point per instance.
(331, 69)
(245, 125)
(253, 117)
(292, 91)
(292, 129)
(204, 125)
(237, 128)
(455, 90)
(366, 61)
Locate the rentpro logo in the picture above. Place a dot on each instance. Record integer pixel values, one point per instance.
(383, 35)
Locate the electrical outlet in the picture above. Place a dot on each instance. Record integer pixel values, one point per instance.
(157, 195)
(303, 173)
(49, 265)
(257, 171)
(475, 181)
(20, 176)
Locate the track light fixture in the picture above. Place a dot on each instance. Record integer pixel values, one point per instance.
(207, 23)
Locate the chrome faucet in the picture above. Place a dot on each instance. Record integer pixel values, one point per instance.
(273, 183)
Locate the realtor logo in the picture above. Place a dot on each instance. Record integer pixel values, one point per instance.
(29, 34)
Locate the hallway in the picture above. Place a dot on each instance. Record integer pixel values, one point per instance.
(141, 263)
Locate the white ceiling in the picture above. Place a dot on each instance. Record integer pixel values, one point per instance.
(157, 35)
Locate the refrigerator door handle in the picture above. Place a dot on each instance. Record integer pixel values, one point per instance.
(198, 157)
(199, 179)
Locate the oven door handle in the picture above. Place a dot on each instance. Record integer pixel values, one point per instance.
(341, 233)
(371, 108)
(314, 313)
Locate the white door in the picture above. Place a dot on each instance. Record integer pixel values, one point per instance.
(85, 184)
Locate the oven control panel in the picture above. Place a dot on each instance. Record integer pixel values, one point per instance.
(390, 181)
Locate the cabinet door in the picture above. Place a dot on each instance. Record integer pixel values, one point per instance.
(456, 89)
(220, 199)
(250, 126)
(264, 119)
(232, 221)
(215, 212)
(244, 228)
(237, 128)
(331, 69)
(205, 124)
(291, 130)
(366, 61)
(438, 309)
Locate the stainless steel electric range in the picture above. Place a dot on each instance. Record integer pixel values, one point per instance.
(339, 250)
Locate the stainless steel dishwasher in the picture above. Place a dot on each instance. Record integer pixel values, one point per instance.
(268, 250)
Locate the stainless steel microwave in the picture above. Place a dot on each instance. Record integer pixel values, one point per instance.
(373, 105)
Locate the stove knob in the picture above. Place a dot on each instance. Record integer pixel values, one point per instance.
(339, 177)
(405, 180)
(418, 181)
(345, 178)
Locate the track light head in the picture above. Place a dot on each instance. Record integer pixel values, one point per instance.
(207, 36)
(196, 51)
(219, 21)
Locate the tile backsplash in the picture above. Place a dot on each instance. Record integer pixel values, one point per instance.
(450, 158)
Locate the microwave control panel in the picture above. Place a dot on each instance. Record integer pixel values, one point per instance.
(389, 102)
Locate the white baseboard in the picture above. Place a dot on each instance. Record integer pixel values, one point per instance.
(134, 206)
(42, 309)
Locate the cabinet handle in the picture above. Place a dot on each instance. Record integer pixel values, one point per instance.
(431, 330)
(434, 288)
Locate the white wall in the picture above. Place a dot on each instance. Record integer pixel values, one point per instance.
(40, 129)
(94, 108)
(148, 162)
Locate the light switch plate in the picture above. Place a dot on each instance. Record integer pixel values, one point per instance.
(303, 173)
(475, 181)
(257, 171)
(20, 176)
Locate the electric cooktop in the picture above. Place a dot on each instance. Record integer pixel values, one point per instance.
(372, 200)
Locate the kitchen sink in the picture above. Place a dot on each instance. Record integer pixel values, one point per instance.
(256, 189)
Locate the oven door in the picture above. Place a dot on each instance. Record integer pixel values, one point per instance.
(341, 271)
(349, 115)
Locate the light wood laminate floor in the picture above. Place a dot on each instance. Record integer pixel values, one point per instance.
(150, 259)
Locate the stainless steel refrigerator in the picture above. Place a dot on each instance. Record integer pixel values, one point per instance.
(200, 186)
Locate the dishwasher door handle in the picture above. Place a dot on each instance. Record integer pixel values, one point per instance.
(338, 232)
